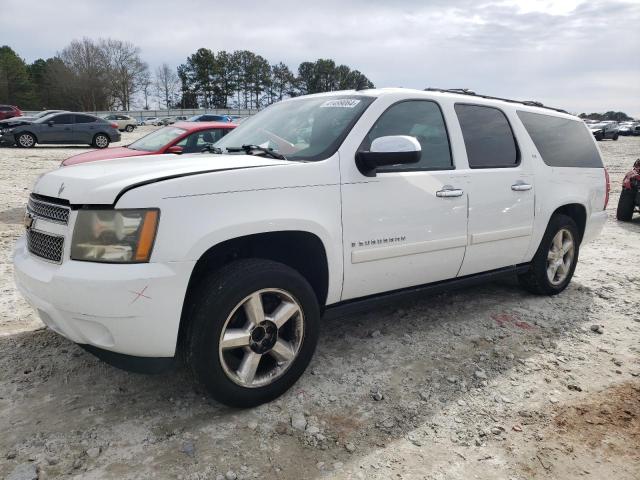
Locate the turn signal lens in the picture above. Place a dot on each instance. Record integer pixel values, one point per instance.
(147, 236)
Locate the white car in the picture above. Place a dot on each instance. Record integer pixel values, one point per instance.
(150, 121)
(125, 122)
(318, 205)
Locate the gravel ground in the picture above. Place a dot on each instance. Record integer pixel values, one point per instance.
(488, 382)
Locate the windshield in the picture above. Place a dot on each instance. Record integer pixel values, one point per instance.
(156, 140)
(301, 129)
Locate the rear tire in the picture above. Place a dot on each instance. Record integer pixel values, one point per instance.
(615, 136)
(26, 140)
(129, 128)
(626, 205)
(244, 344)
(553, 265)
(101, 141)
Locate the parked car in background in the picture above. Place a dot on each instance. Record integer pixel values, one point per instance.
(125, 122)
(23, 119)
(629, 200)
(167, 121)
(9, 111)
(183, 137)
(209, 117)
(150, 121)
(602, 130)
(67, 128)
(181, 118)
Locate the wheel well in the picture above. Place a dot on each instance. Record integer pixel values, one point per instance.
(577, 212)
(26, 131)
(302, 251)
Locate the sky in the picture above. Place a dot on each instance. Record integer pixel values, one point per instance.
(583, 56)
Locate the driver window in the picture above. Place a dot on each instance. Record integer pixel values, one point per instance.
(197, 141)
(423, 120)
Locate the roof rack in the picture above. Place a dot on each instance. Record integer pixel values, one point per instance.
(466, 91)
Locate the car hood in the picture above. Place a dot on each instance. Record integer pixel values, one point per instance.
(101, 183)
(105, 154)
(15, 121)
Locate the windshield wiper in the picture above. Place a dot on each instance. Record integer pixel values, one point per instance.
(248, 149)
(211, 149)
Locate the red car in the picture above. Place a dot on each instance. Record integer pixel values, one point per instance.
(181, 137)
(9, 111)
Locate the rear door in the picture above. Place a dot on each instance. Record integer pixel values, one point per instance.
(501, 190)
(84, 128)
(58, 129)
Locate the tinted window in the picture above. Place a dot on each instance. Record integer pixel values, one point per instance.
(197, 141)
(561, 142)
(487, 137)
(6, 109)
(422, 120)
(61, 119)
(84, 119)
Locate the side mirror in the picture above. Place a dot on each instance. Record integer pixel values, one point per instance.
(174, 149)
(50, 123)
(390, 150)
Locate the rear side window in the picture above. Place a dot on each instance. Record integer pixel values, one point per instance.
(62, 119)
(85, 119)
(488, 137)
(560, 141)
(6, 109)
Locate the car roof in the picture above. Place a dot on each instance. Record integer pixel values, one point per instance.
(434, 94)
(195, 126)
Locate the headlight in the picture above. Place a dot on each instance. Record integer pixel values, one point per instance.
(114, 236)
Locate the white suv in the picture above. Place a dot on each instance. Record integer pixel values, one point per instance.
(318, 205)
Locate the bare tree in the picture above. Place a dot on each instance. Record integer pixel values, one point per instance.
(89, 66)
(145, 86)
(166, 84)
(126, 70)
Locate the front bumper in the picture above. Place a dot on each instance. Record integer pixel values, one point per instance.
(7, 139)
(129, 309)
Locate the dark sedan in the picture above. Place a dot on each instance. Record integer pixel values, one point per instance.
(64, 129)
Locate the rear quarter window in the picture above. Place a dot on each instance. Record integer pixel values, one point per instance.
(561, 142)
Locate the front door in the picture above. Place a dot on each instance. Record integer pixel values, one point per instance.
(501, 191)
(59, 129)
(407, 225)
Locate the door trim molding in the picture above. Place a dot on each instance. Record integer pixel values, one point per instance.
(506, 234)
(392, 251)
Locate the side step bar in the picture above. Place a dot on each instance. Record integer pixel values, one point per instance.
(357, 305)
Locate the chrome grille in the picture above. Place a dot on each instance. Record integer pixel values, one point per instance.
(49, 211)
(45, 245)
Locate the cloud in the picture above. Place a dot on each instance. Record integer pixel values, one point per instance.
(569, 53)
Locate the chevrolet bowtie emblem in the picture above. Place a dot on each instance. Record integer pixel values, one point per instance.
(28, 220)
(61, 189)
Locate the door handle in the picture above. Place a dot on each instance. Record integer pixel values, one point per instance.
(449, 192)
(521, 187)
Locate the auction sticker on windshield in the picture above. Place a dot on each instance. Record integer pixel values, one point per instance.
(341, 103)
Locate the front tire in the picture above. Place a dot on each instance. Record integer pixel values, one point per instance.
(26, 140)
(101, 141)
(254, 328)
(615, 136)
(555, 261)
(626, 205)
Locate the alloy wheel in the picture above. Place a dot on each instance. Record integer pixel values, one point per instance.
(26, 140)
(261, 338)
(560, 257)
